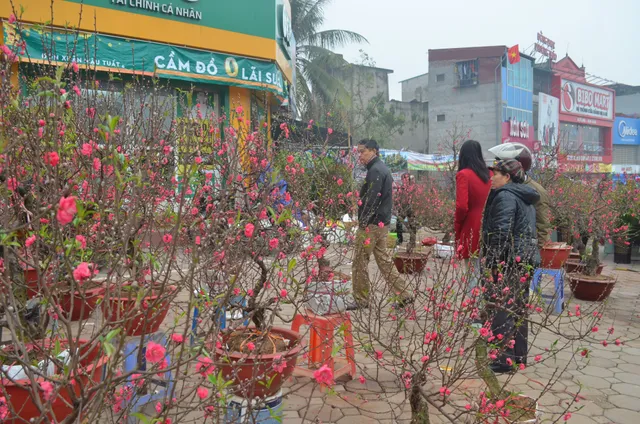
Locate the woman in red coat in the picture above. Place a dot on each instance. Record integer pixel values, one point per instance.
(473, 183)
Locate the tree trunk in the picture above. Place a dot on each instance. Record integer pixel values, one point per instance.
(419, 407)
(593, 261)
(482, 366)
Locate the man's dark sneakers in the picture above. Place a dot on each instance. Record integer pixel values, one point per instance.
(500, 368)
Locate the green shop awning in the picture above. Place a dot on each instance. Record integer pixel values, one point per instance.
(115, 54)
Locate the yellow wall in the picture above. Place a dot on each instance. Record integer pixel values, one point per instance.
(241, 97)
(133, 25)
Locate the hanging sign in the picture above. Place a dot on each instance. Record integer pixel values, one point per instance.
(113, 54)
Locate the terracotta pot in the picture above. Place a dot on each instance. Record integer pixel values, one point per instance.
(77, 305)
(242, 368)
(593, 289)
(576, 266)
(31, 281)
(136, 320)
(409, 263)
(19, 392)
(554, 257)
(575, 255)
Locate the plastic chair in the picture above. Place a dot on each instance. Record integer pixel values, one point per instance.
(558, 280)
(162, 387)
(321, 333)
(220, 314)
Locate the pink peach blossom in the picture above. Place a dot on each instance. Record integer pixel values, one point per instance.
(66, 210)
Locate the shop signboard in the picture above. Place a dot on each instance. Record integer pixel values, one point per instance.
(586, 100)
(548, 120)
(626, 131)
(251, 17)
(114, 54)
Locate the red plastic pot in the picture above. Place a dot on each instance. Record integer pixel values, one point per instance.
(592, 289)
(77, 306)
(243, 369)
(136, 320)
(554, 257)
(409, 263)
(19, 393)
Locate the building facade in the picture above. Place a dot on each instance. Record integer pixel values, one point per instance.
(415, 89)
(476, 93)
(224, 55)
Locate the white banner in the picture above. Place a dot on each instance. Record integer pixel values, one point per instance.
(548, 120)
(586, 100)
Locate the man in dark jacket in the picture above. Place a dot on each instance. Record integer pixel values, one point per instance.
(374, 217)
(511, 254)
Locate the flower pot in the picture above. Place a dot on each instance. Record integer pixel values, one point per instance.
(136, 319)
(622, 253)
(243, 369)
(575, 255)
(409, 263)
(591, 288)
(79, 305)
(575, 265)
(31, 281)
(19, 392)
(554, 257)
(537, 413)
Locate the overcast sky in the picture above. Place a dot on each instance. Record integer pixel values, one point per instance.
(604, 36)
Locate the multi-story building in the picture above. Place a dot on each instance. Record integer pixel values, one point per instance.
(580, 128)
(477, 93)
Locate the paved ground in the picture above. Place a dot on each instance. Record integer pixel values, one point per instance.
(608, 381)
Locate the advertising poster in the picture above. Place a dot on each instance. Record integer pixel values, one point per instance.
(548, 120)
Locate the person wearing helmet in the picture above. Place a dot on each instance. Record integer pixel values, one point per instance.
(522, 154)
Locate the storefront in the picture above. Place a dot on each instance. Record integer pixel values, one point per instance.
(586, 121)
(626, 146)
(226, 56)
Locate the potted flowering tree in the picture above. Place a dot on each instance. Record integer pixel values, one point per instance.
(587, 204)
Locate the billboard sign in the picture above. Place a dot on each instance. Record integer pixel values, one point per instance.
(626, 131)
(548, 120)
(586, 100)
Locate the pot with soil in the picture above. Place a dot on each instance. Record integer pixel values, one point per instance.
(522, 410)
(19, 391)
(554, 255)
(622, 252)
(593, 288)
(576, 265)
(77, 305)
(587, 285)
(138, 309)
(258, 362)
(410, 262)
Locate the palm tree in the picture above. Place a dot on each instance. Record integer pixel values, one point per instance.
(316, 63)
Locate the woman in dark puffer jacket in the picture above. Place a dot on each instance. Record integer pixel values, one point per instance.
(510, 254)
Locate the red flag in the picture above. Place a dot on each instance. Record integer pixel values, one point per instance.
(514, 54)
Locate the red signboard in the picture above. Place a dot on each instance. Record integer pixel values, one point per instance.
(586, 100)
(518, 132)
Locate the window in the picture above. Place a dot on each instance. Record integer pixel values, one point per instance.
(467, 73)
(440, 78)
(440, 118)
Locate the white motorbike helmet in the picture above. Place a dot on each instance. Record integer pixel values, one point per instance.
(516, 151)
